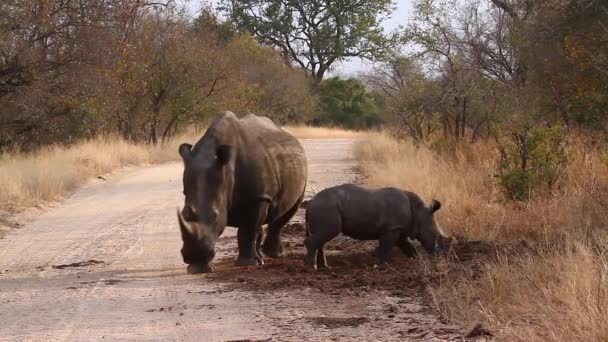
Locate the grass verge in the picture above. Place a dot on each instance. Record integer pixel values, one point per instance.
(309, 132)
(46, 175)
(551, 287)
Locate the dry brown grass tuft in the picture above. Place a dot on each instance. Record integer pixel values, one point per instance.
(46, 175)
(309, 132)
(558, 294)
(559, 291)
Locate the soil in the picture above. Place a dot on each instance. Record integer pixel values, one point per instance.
(105, 264)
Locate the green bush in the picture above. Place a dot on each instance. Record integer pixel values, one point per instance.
(346, 103)
(532, 159)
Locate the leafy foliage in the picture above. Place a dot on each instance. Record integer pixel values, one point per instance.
(347, 103)
(315, 34)
(532, 161)
(69, 72)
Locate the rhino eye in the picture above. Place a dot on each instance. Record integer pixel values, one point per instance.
(190, 214)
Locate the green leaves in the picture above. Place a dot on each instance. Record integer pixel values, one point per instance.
(316, 34)
(531, 161)
(346, 102)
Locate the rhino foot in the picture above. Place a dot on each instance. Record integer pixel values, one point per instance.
(310, 262)
(246, 262)
(260, 260)
(199, 268)
(273, 251)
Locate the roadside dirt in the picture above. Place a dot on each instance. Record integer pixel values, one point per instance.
(105, 264)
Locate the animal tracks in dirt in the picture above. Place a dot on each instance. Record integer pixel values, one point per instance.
(78, 264)
(337, 322)
(181, 307)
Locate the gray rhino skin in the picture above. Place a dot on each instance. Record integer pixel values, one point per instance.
(390, 215)
(242, 173)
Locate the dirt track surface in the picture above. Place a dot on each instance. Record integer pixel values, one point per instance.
(105, 265)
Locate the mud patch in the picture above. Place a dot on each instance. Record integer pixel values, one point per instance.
(78, 264)
(338, 322)
(103, 281)
(355, 277)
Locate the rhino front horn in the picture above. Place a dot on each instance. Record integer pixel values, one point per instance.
(183, 224)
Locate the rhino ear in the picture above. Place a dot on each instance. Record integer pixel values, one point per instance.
(224, 153)
(185, 150)
(435, 205)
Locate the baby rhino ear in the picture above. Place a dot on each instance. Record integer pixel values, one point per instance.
(185, 150)
(435, 205)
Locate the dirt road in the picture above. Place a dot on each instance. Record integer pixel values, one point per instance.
(105, 265)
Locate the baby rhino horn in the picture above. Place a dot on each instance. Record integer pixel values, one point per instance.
(435, 205)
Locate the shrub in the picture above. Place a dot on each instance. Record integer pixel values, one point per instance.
(531, 161)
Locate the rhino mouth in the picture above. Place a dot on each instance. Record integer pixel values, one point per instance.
(442, 246)
(199, 268)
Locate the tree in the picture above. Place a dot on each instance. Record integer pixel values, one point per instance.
(315, 34)
(409, 97)
(347, 103)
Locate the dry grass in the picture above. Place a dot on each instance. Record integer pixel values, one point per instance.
(309, 132)
(46, 175)
(558, 292)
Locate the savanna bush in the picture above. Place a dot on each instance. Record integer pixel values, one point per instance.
(532, 159)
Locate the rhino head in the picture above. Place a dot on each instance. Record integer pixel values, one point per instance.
(428, 232)
(208, 181)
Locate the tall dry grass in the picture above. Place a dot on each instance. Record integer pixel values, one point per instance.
(309, 132)
(48, 174)
(557, 292)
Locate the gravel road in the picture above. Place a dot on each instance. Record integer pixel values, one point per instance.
(105, 265)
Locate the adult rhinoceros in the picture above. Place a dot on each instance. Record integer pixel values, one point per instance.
(242, 173)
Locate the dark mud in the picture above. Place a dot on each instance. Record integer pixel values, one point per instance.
(355, 276)
(78, 264)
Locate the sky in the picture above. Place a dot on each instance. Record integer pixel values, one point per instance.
(353, 66)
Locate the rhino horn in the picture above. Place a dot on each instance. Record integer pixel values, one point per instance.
(184, 225)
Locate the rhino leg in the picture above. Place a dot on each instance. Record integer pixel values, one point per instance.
(321, 229)
(272, 244)
(248, 237)
(312, 250)
(321, 260)
(406, 247)
(258, 247)
(388, 240)
(315, 256)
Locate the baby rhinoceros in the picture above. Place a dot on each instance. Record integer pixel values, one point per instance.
(390, 215)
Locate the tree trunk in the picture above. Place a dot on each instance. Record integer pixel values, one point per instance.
(153, 137)
(464, 117)
(167, 131)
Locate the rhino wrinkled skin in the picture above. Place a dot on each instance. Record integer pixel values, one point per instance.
(242, 173)
(390, 215)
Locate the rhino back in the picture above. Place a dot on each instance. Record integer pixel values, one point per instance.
(367, 213)
(270, 164)
(275, 160)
